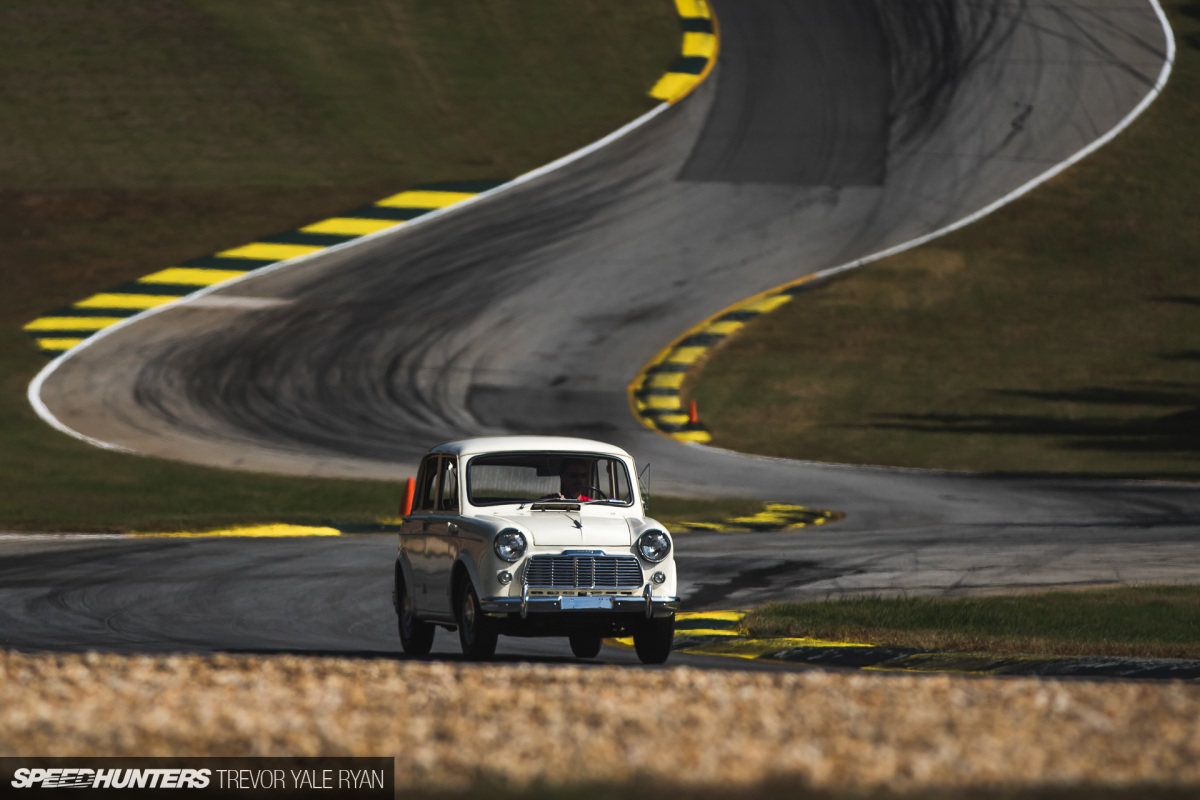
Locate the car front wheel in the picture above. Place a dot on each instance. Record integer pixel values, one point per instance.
(416, 637)
(476, 632)
(652, 639)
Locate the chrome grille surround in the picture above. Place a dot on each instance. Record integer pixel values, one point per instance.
(583, 572)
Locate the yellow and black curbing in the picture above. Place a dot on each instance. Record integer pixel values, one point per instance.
(65, 328)
(720, 633)
(699, 52)
(708, 624)
(773, 517)
(654, 394)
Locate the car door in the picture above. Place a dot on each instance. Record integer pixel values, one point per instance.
(442, 538)
(415, 535)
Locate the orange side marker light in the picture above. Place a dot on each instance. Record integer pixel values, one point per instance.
(410, 489)
(693, 416)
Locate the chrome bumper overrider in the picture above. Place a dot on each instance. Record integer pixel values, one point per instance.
(655, 606)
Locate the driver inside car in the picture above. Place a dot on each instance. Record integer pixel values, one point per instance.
(573, 476)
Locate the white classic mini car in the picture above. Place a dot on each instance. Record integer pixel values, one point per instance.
(533, 536)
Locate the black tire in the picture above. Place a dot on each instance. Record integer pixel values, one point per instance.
(477, 633)
(416, 637)
(585, 645)
(652, 639)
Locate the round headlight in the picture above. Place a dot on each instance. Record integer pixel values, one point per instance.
(510, 544)
(653, 545)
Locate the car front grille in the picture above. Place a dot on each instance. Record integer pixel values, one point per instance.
(583, 572)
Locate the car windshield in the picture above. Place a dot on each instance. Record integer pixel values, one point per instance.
(502, 478)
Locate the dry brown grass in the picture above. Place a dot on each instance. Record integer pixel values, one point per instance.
(453, 726)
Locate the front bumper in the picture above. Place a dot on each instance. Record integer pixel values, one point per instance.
(646, 605)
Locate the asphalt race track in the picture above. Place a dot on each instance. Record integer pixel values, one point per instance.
(830, 129)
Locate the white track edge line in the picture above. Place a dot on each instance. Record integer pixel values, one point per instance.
(1025, 188)
(34, 392)
(1125, 122)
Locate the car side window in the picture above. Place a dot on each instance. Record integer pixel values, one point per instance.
(449, 501)
(427, 488)
(616, 482)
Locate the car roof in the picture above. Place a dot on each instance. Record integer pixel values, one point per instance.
(506, 444)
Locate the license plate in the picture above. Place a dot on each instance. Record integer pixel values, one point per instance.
(582, 603)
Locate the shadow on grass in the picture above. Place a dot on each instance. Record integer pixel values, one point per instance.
(1177, 432)
(1174, 433)
(1192, 10)
(1148, 417)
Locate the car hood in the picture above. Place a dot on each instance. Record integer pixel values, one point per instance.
(570, 529)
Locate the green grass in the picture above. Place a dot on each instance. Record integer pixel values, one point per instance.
(276, 93)
(1141, 621)
(1060, 334)
(140, 134)
(672, 510)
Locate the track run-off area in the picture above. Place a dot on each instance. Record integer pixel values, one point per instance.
(827, 133)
